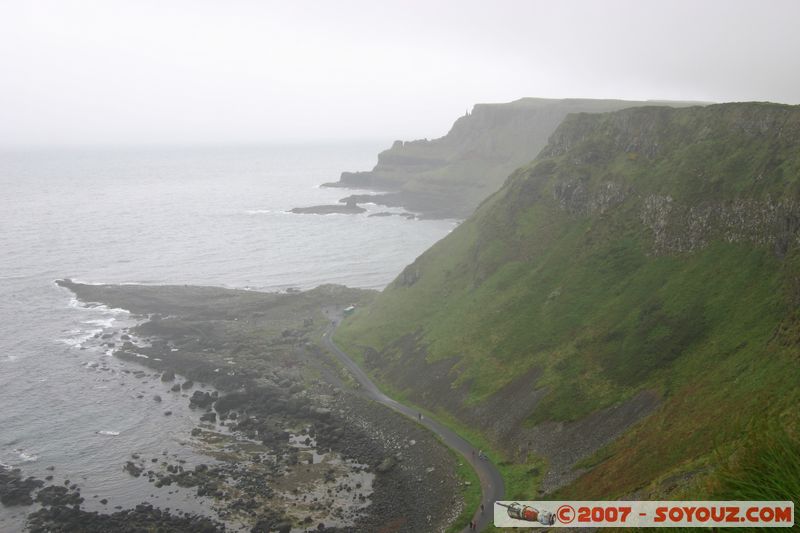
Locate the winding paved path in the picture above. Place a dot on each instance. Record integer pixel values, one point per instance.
(491, 480)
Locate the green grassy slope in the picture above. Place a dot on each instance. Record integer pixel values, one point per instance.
(650, 249)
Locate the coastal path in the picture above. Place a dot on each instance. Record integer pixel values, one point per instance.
(492, 488)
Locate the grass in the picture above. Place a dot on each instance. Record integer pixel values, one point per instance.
(539, 278)
(470, 493)
(766, 465)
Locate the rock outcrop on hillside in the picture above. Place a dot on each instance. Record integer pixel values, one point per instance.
(745, 197)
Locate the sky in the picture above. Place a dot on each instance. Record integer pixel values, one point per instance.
(235, 71)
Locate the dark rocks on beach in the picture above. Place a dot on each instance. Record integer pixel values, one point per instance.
(143, 517)
(201, 399)
(283, 527)
(14, 490)
(167, 413)
(156, 398)
(131, 468)
(268, 522)
(188, 384)
(264, 393)
(56, 495)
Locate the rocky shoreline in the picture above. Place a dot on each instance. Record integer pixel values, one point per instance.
(292, 445)
(345, 208)
(424, 206)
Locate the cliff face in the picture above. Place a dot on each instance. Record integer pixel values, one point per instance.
(450, 176)
(620, 307)
(733, 173)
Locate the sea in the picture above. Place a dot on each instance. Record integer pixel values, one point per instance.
(155, 215)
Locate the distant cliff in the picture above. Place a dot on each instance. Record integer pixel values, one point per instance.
(449, 176)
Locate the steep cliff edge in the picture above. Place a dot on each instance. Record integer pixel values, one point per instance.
(449, 176)
(625, 306)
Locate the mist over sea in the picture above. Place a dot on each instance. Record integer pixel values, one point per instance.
(211, 216)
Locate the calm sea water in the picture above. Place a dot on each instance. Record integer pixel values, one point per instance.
(214, 216)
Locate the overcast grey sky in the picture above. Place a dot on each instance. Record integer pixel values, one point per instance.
(205, 71)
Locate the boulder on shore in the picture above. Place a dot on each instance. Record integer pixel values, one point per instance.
(201, 399)
(131, 468)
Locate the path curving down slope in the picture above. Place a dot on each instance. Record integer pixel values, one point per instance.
(492, 487)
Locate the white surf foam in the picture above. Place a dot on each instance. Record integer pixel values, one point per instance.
(83, 282)
(101, 308)
(104, 322)
(79, 336)
(27, 457)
